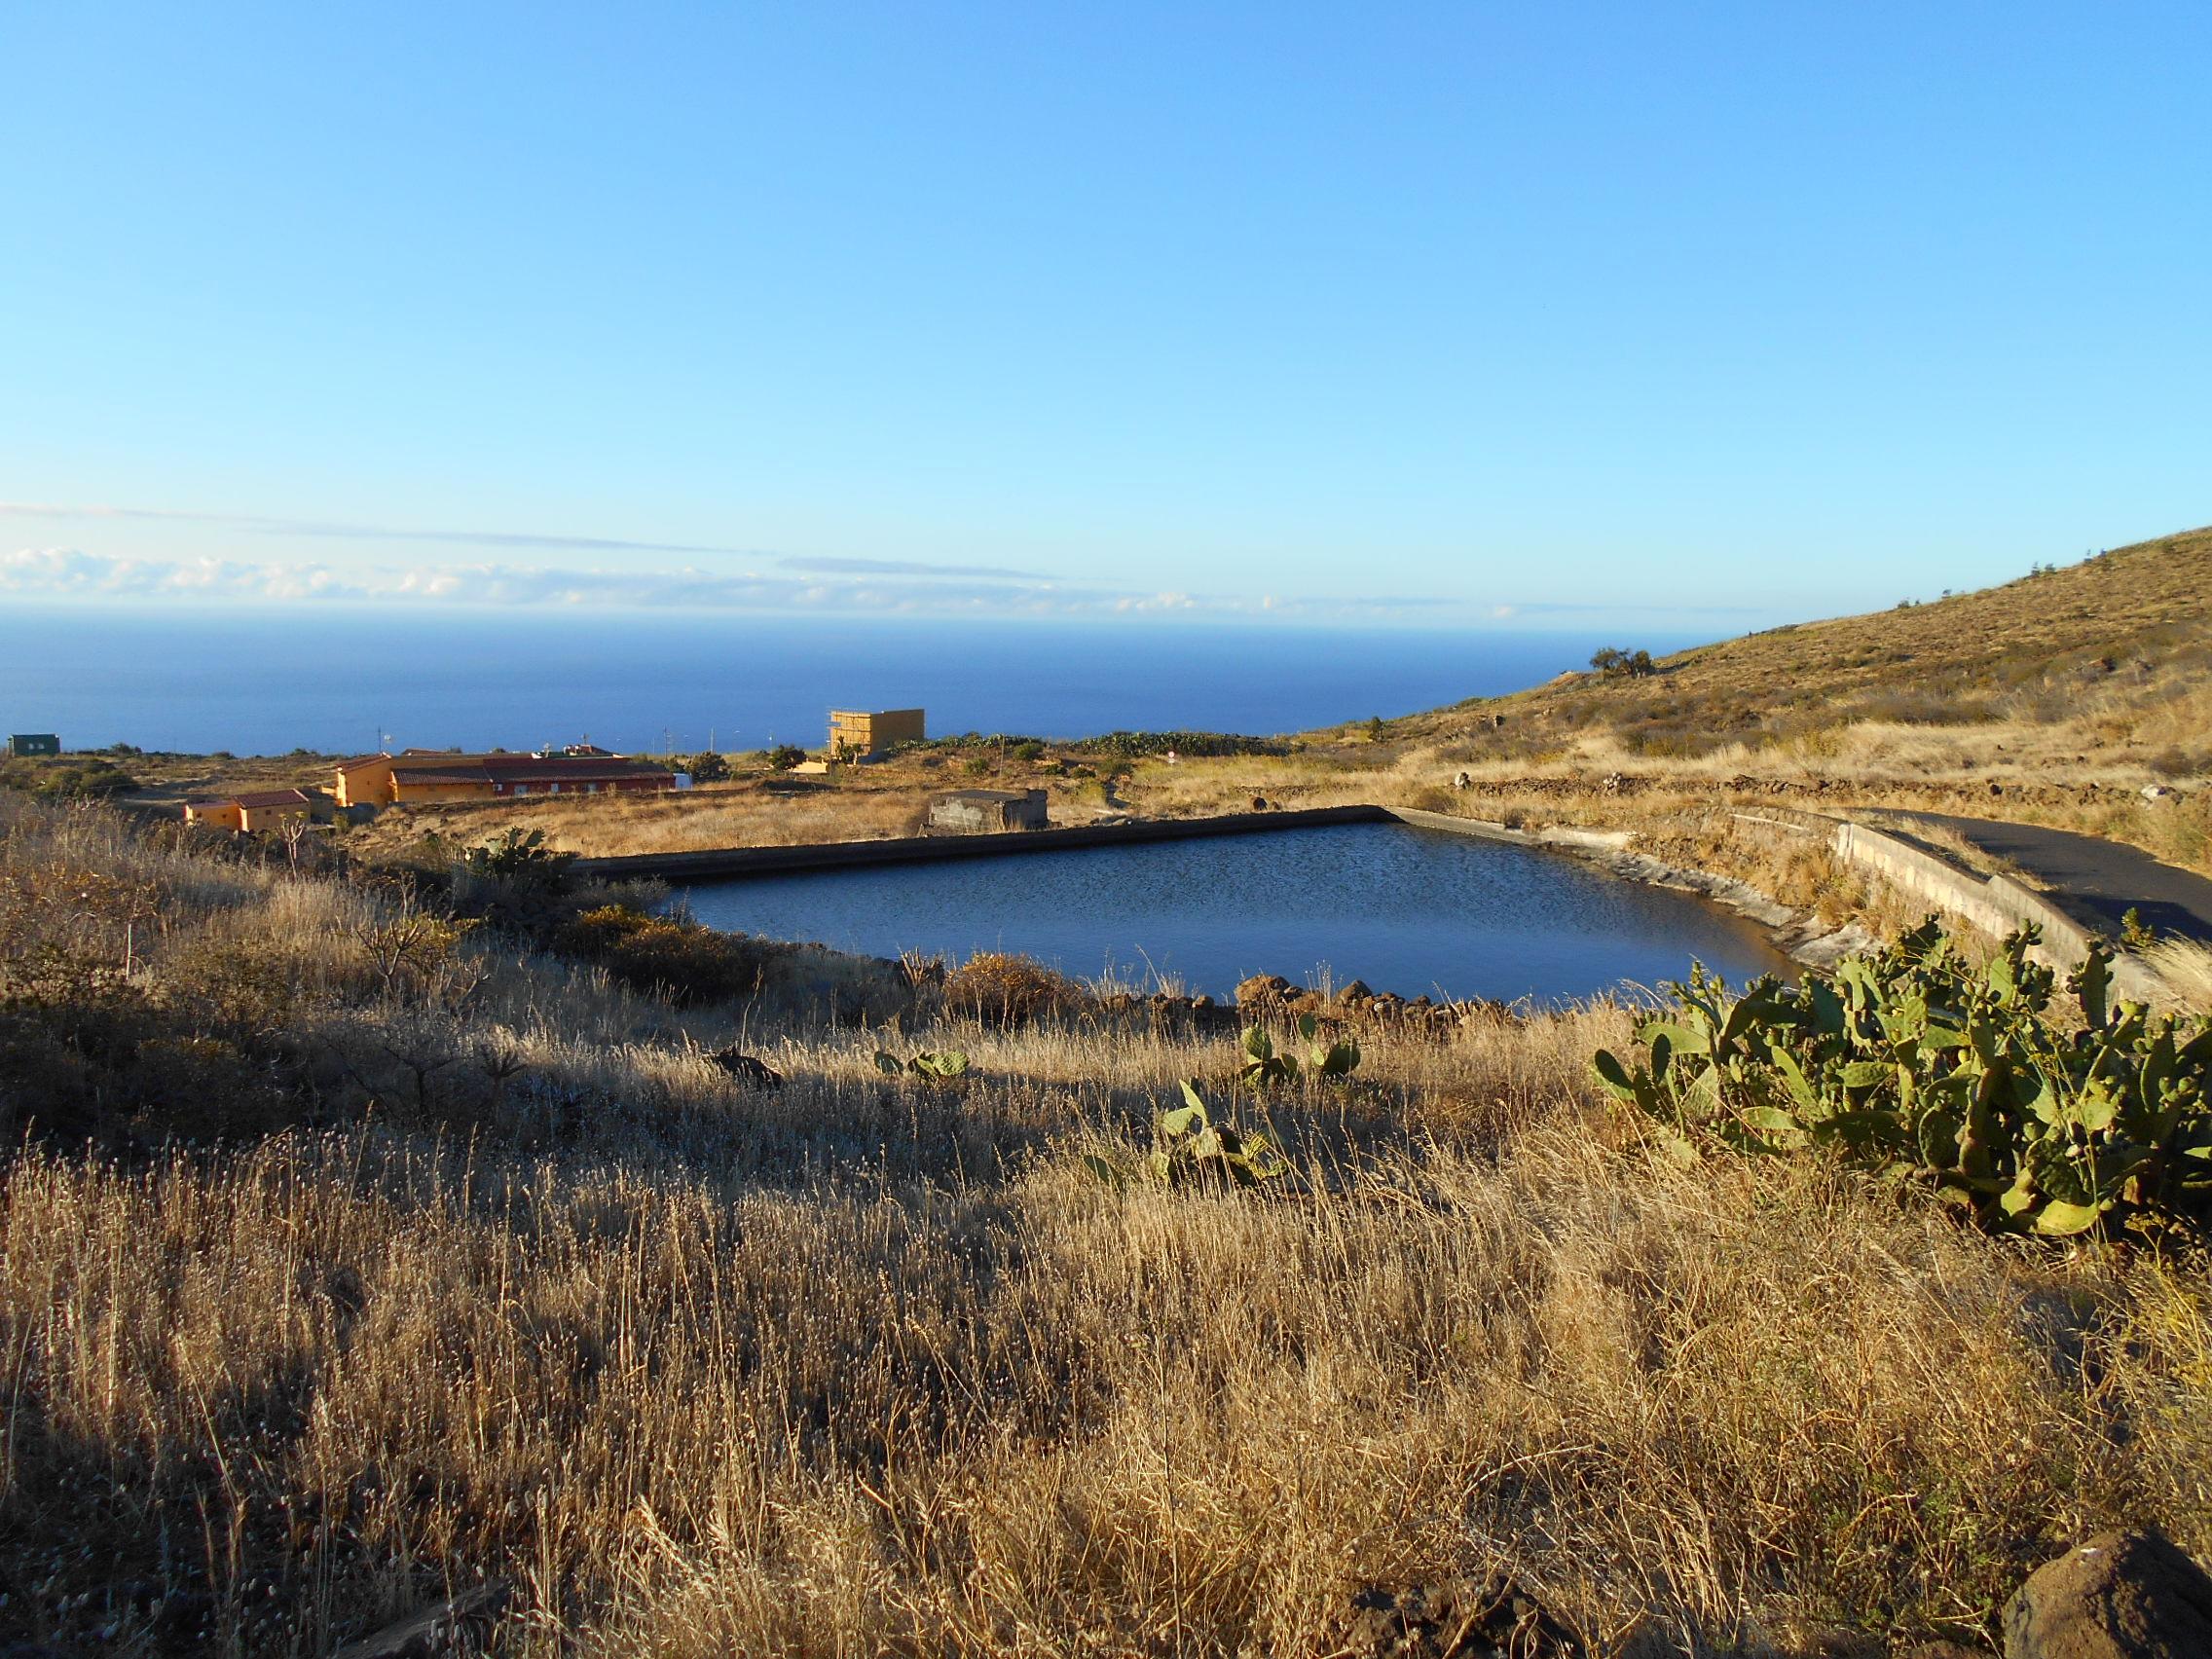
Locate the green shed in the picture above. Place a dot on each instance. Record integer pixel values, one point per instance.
(24, 743)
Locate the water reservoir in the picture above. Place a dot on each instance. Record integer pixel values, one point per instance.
(1414, 911)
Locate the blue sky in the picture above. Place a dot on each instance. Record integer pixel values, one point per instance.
(1482, 313)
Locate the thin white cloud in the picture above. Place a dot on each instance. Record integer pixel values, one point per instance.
(71, 573)
(836, 567)
(255, 525)
(538, 540)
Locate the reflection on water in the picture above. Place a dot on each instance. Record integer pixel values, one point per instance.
(1409, 910)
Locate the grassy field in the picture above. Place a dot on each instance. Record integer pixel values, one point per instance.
(352, 1258)
(371, 1229)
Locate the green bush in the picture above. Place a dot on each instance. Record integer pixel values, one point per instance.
(520, 857)
(1121, 745)
(1918, 1066)
(67, 777)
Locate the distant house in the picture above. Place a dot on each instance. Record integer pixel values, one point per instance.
(985, 812)
(418, 778)
(857, 735)
(364, 780)
(23, 745)
(252, 813)
(216, 812)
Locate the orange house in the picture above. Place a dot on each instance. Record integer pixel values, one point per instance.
(216, 814)
(366, 779)
(265, 809)
(249, 814)
(423, 777)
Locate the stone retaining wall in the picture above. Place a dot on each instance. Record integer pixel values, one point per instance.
(1995, 904)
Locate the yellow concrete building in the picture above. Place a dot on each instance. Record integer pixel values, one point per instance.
(422, 777)
(250, 814)
(857, 735)
(269, 808)
(366, 779)
(215, 814)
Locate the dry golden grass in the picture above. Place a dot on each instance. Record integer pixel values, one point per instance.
(2187, 967)
(865, 1366)
(854, 804)
(2119, 640)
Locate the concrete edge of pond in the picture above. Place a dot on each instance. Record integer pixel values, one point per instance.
(713, 863)
(1803, 937)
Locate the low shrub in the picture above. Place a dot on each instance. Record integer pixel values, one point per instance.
(996, 986)
(667, 956)
(67, 777)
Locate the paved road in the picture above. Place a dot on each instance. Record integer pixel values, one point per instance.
(2096, 880)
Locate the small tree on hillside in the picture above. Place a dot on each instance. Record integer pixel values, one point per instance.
(1616, 664)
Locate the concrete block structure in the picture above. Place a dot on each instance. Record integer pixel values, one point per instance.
(985, 812)
(857, 735)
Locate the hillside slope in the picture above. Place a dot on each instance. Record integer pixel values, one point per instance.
(2110, 643)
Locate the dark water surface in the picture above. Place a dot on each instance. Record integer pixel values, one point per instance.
(1414, 911)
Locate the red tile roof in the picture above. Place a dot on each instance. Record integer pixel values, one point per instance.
(273, 798)
(527, 769)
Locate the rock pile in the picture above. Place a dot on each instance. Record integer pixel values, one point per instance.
(1271, 996)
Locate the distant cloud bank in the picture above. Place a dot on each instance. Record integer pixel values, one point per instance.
(802, 582)
(68, 573)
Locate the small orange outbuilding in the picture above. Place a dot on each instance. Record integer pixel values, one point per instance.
(249, 814)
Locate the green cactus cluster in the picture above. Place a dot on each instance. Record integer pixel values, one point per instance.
(930, 1066)
(1265, 1066)
(1191, 1146)
(1914, 1063)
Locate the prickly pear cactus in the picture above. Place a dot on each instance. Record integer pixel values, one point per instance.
(1915, 1064)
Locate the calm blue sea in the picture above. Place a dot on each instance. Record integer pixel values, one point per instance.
(265, 681)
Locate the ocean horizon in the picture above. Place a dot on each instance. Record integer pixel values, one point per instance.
(359, 677)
